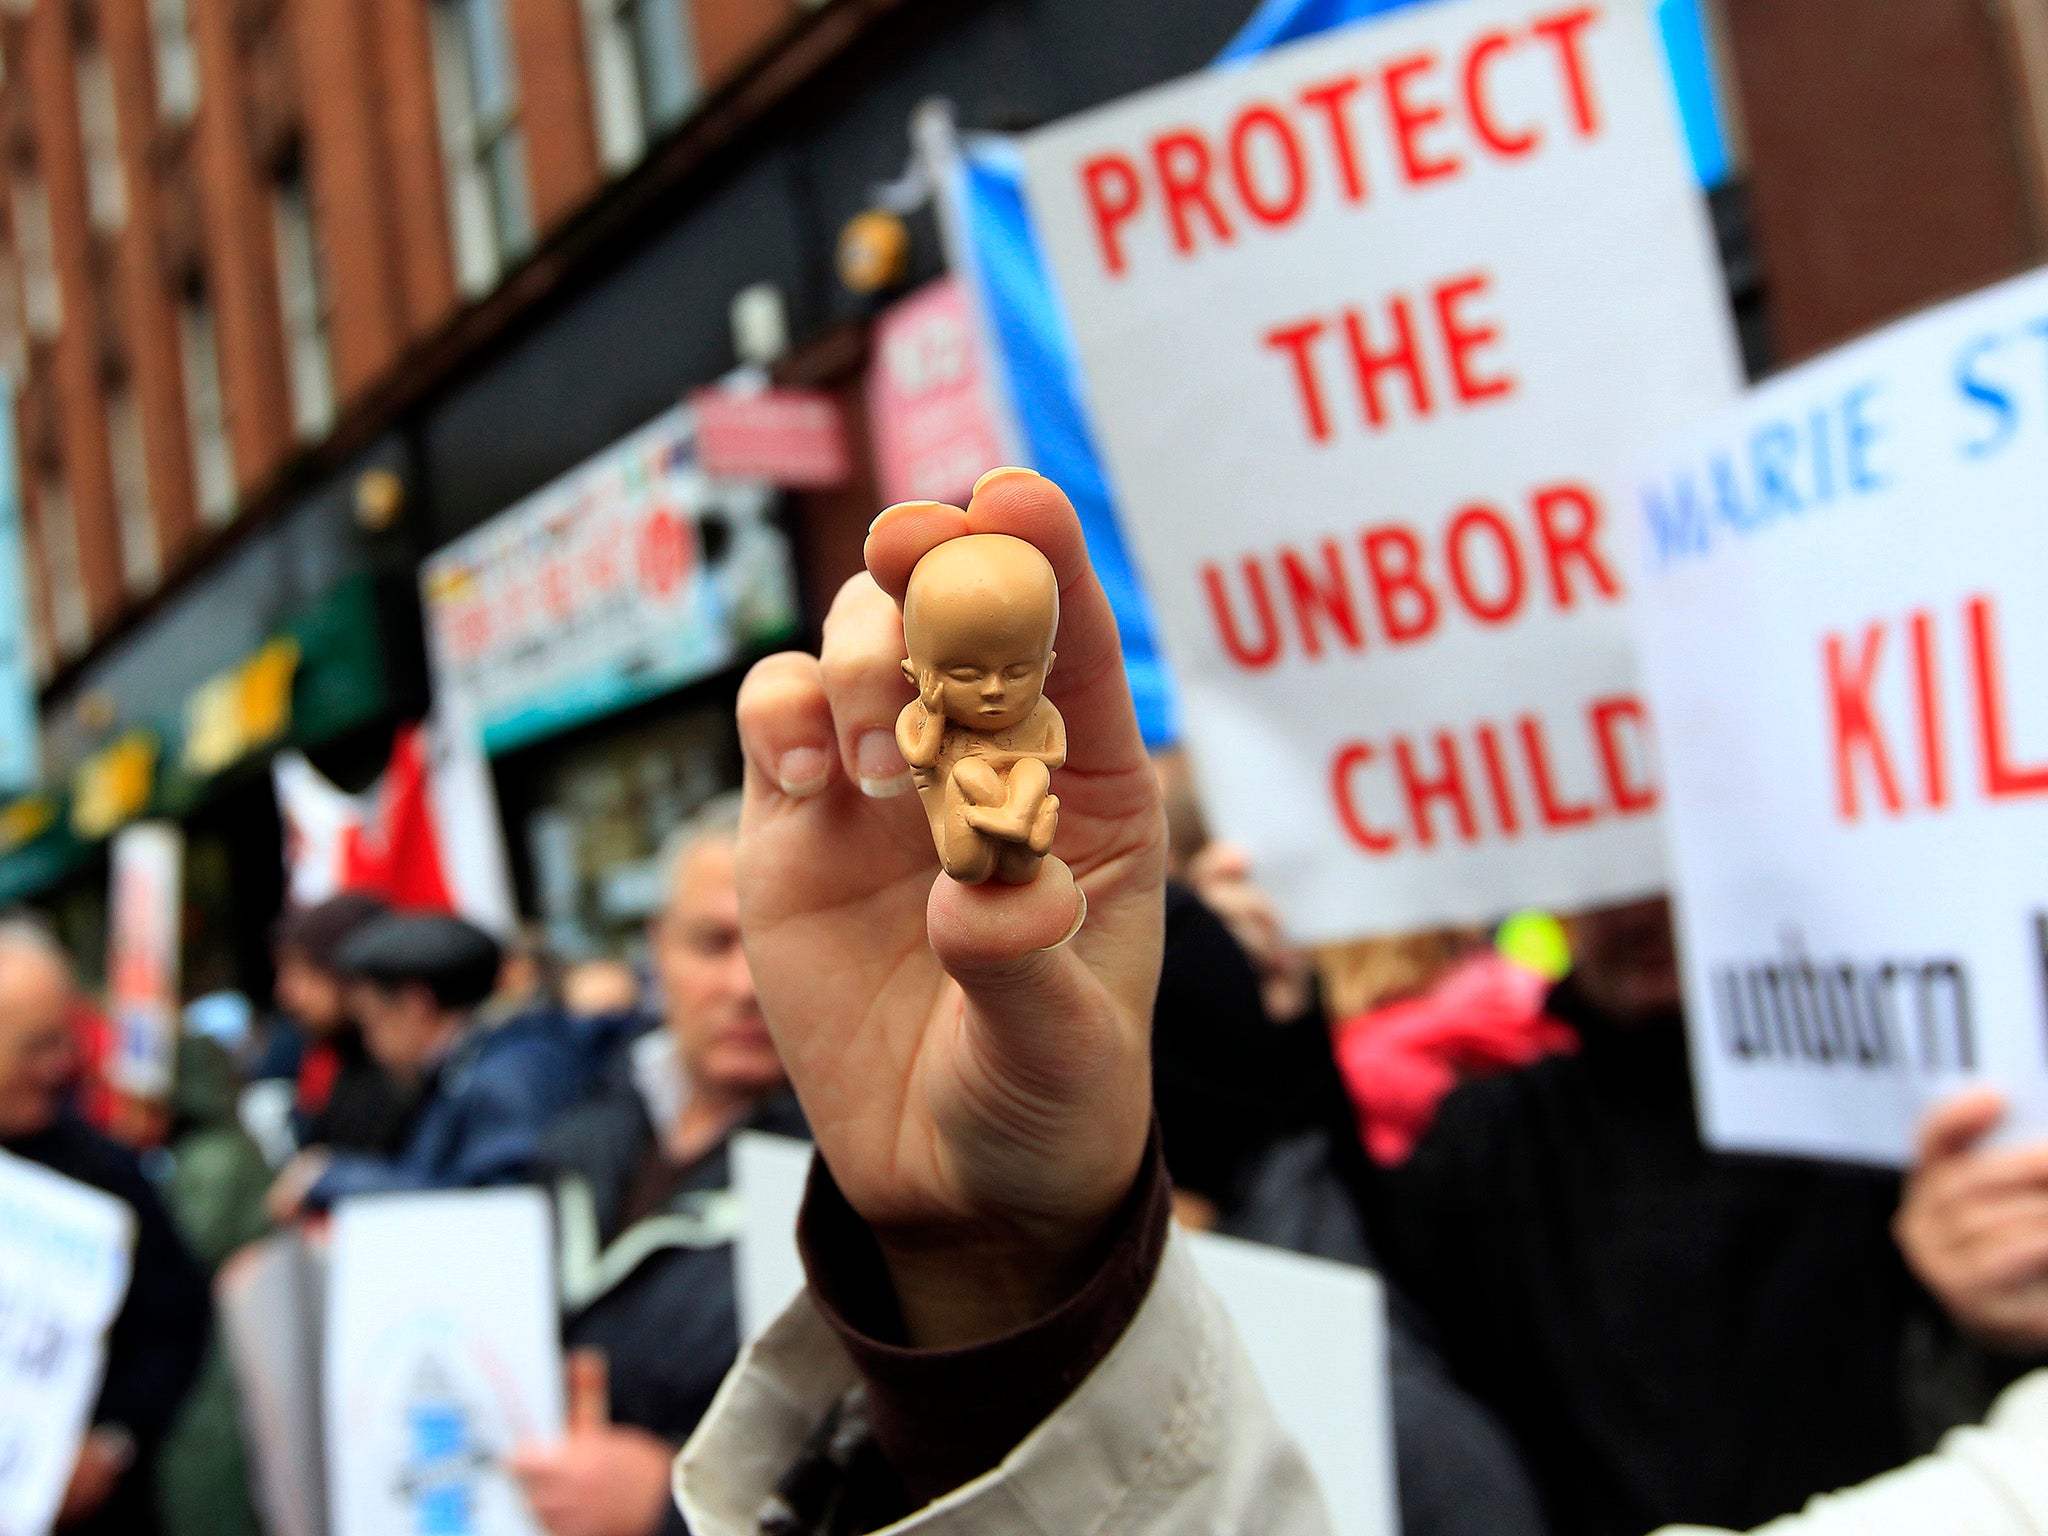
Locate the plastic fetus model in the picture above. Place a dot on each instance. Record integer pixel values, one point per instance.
(981, 738)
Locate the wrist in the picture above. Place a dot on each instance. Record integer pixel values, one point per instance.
(963, 1286)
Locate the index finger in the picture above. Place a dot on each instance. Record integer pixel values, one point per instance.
(1088, 683)
(590, 1405)
(1956, 1125)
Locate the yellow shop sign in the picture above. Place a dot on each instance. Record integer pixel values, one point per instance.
(113, 787)
(242, 710)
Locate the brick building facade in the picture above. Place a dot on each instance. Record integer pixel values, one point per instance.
(230, 222)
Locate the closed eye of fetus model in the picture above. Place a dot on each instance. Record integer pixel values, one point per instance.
(981, 738)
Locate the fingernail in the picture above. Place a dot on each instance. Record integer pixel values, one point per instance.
(904, 506)
(802, 771)
(883, 773)
(997, 474)
(1080, 917)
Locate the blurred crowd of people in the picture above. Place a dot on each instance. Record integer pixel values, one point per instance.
(1600, 1327)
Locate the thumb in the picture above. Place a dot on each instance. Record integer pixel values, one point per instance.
(1033, 1000)
(1956, 1125)
(590, 1397)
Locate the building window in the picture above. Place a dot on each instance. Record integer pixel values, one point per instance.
(206, 417)
(479, 102)
(42, 301)
(177, 62)
(66, 587)
(13, 328)
(302, 291)
(106, 182)
(36, 619)
(643, 73)
(132, 512)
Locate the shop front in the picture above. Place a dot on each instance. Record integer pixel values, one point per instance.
(593, 636)
(306, 635)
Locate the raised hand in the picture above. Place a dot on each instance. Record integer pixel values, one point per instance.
(977, 1072)
(1974, 1225)
(600, 1478)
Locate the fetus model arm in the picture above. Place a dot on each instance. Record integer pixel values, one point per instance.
(921, 728)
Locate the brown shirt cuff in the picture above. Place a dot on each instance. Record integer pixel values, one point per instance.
(942, 1417)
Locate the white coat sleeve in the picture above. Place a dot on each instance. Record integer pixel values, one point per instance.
(1990, 1480)
(1171, 1435)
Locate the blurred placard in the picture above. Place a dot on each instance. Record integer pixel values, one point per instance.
(795, 438)
(1316, 1331)
(1367, 325)
(64, 1260)
(629, 576)
(442, 1358)
(927, 399)
(1844, 635)
(267, 1298)
(144, 938)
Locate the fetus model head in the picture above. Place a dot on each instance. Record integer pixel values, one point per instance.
(979, 620)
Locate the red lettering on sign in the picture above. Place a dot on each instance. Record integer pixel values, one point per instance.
(2004, 779)
(1114, 193)
(1425, 777)
(1295, 340)
(1448, 786)
(1276, 131)
(1201, 185)
(1267, 649)
(1628, 795)
(1411, 119)
(1332, 101)
(1510, 144)
(1462, 339)
(1927, 708)
(1320, 597)
(1556, 811)
(1568, 518)
(1562, 32)
(1183, 162)
(1402, 358)
(1482, 519)
(1494, 760)
(1348, 760)
(1407, 606)
(1853, 722)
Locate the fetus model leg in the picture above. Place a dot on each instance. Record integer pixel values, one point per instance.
(1020, 814)
(1016, 812)
(966, 854)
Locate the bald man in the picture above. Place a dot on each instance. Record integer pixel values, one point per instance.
(643, 1170)
(154, 1349)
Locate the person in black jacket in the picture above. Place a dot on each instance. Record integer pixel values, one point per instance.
(1673, 1335)
(159, 1335)
(644, 1212)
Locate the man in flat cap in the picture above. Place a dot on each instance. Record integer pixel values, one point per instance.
(480, 1095)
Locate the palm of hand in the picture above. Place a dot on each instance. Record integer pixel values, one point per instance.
(1017, 1103)
(838, 893)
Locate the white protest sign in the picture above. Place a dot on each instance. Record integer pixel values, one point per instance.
(64, 1259)
(1840, 600)
(144, 934)
(1316, 1331)
(267, 1301)
(1366, 326)
(442, 1359)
